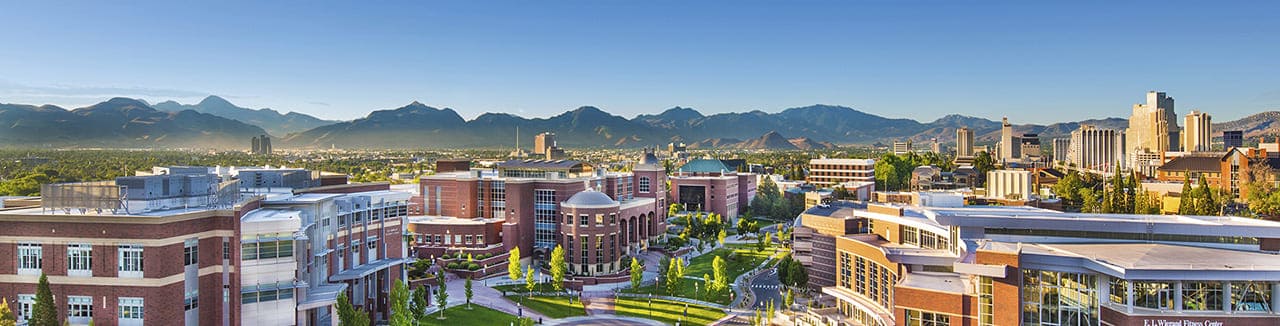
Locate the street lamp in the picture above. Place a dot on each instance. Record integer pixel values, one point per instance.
(650, 305)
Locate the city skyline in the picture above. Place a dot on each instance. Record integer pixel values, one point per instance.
(629, 59)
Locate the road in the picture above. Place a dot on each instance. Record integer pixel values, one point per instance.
(765, 288)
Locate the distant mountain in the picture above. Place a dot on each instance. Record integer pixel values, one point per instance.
(1256, 125)
(119, 122)
(272, 121)
(770, 140)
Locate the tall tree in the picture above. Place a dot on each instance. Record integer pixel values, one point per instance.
(788, 300)
(1186, 200)
(419, 306)
(983, 162)
(513, 264)
(558, 268)
(720, 274)
(529, 283)
(674, 279)
(637, 273)
(467, 292)
(45, 312)
(664, 272)
(348, 315)
(400, 314)
(442, 292)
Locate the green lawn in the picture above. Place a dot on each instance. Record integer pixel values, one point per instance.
(477, 316)
(540, 287)
(745, 259)
(554, 307)
(668, 312)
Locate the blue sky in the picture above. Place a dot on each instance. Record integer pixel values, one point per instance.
(1034, 61)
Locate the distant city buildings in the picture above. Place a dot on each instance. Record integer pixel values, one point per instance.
(1010, 144)
(1232, 138)
(1093, 148)
(1198, 135)
(260, 145)
(1030, 146)
(964, 142)
(902, 147)
(1153, 129)
(934, 146)
(1010, 184)
(828, 172)
(1061, 148)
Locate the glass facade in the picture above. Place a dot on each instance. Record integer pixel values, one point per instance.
(1059, 298)
(545, 215)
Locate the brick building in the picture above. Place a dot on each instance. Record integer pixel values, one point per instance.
(708, 185)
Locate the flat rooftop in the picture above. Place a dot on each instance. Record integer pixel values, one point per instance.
(448, 220)
(937, 281)
(1158, 256)
(271, 214)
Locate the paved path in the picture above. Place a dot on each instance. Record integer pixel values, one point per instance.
(605, 321)
(484, 296)
(599, 303)
(765, 288)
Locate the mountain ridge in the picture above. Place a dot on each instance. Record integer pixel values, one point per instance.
(272, 121)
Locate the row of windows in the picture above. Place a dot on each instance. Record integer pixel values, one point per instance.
(129, 258)
(924, 318)
(266, 295)
(450, 239)
(871, 280)
(266, 249)
(81, 307)
(924, 239)
(1122, 236)
(1196, 295)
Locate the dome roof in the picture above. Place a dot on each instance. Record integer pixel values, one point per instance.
(590, 198)
(649, 158)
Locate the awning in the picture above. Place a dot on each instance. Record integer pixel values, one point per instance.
(322, 296)
(366, 269)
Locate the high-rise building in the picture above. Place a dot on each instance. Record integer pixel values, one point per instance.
(828, 172)
(1061, 146)
(1010, 144)
(964, 141)
(1199, 133)
(902, 147)
(935, 146)
(1153, 127)
(1093, 148)
(261, 145)
(1232, 138)
(542, 142)
(1030, 145)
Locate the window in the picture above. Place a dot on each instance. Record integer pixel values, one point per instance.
(861, 284)
(846, 271)
(266, 249)
(1251, 296)
(130, 309)
(191, 252)
(1201, 295)
(79, 259)
(26, 303)
(79, 306)
(226, 249)
(191, 301)
(130, 260)
(582, 220)
(985, 301)
(30, 258)
(923, 318)
(644, 185)
(909, 235)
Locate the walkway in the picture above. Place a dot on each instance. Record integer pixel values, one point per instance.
(481, 295)
(598, 303)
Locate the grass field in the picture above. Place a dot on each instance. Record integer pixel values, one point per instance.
(738, 258)
(667, 312)
(554, 307)
(477, 316)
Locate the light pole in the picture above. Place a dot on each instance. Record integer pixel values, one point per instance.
(651, 306)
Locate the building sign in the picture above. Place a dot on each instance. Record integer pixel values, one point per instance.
(1181, 322)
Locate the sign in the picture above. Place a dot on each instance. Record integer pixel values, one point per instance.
(1181, 322)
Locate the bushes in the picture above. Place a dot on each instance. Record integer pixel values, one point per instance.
(451, 266)
(473, 266)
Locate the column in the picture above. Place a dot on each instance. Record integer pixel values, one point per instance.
(1128, 302)
(1275, 297)
(1226, 296)
(1177, 296)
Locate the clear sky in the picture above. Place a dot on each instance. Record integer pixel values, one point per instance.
(1034, 61)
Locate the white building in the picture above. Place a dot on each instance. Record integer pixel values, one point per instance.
(1199, 134)
(1092, 148)
(1009, 184)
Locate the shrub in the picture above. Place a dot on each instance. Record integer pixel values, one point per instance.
(473, 266)
(452, 266)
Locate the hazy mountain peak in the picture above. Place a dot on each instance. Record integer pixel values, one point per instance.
(214, 100)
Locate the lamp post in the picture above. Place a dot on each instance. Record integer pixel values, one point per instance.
(650, 305)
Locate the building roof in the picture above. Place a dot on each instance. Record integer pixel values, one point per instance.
(590, 198)
(703, 165)
(1193, 163)
(1158, 256)
(539, 164)
(649, 158)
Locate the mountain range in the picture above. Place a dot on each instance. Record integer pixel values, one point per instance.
(215, 122)
(119, 122)
(272, 121)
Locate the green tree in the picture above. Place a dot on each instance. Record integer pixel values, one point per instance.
(558, 268)
(7, 318)
(513, 264)
(637, 273)
(664, 270)
(674, 209)
(348, 315)
(720, 237)
(720, 274)
(529, 284)
(419, 306)
(983, 162)
(674, 277)
(45, 311)
(467, 292)
(442, 292)
(788, 300)
(1186, 200)
(400, 314)
(760, 242)
(797, 275)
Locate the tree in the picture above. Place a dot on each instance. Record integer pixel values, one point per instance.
(782, 268)
(529, 284)
(442, 293)
(720, 274)
(400, 314)
(664, 270)
(760, 242)
(840, 193)
(768, 239)
(558, 268)
(467, 292)
(419, 306)
(45, 312)
(983, 163)
(1186, 200)
(674, 278)
(637, 273)
(788, 300)
(348, 315)
(798, 274)
(6, 315)
(674, 209)
(720, 237)
(513, 264)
